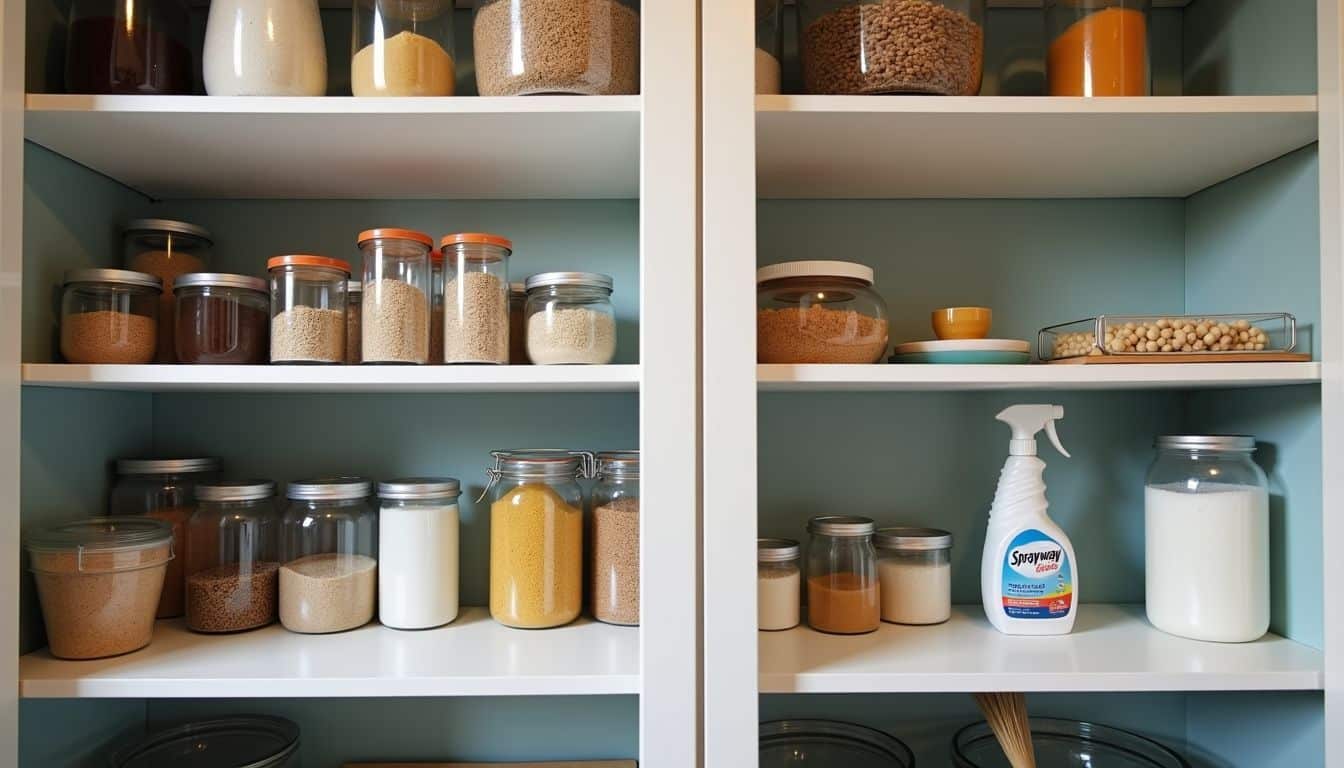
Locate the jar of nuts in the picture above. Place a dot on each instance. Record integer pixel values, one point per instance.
(892, 46)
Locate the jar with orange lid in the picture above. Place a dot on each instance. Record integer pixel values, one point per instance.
(308, 308)
(395, 322)
(1098, 47)
(475, 298)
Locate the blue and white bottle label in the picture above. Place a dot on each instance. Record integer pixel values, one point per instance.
(1037, 578)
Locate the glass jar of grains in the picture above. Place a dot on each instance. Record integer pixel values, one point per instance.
(476, 298)
(585, 47)
(819, 312)
(109, 316)
(221, 318)
(778, 584)
(308, 308)
(536, 536)
(914, 572)
(166, 249)
(329, 546)
(354, 320)
(842, 586)
(570, 319)
(402, 48)
(395, 309)
(614, 571)
(234, 557)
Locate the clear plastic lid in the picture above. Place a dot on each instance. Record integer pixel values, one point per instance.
(102, 534)
(233, 742)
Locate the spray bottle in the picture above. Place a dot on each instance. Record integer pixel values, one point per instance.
(1028, 574)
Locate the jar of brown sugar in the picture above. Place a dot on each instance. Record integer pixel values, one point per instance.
(221, 318)
(819, 312)
(166, 249)
(842, 585)
(109, 316)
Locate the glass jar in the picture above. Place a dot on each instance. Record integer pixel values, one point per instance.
(819, 312)
(166, 249)
(1098, 47)
(402, 48)
(914, 573)
(536, 536)
(436, 282)
(221, 318)
(1206, 516)
(256, 741)
(119, 47)
(418, 552)
(615, 539)
(517, 327)
(570, 319)
(867, 46)
(395, 326)
(329, 546)
(778, 584)
(354, 321)
(308, 308)
(842, 586)
(264, 48)
(476, 298)
(769, 44)
(233, 565)
(586, 47)
(109, 316)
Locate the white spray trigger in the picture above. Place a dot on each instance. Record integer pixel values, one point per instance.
(1026, 421)
(1054, 438)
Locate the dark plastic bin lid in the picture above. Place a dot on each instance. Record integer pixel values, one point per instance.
(254, 741)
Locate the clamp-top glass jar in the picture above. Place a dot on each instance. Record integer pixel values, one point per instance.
(819, 312)
(109, 316)
(395, 309)
(476, 298)
(570, 319)
(615, 538)
(234, 556)
(1206, 531)
(329, 543)
(1098, 47)
(402, 48)
(536, 536)
(308, 308)
(842, 586)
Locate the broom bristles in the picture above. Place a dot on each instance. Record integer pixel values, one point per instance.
(1006, 714)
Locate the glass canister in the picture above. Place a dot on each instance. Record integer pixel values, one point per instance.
(536, 536)
(877, 46)
(233, 565)
(517, 326)
(476, 298)
(264, 48)
(570, 319)
(221, 318)
(418, 552)
(402, 48)
(615, 538)
(354, 321)
(308, 308)
(842, 585)
(437, 279)
(769, 44)
(778, 584)
(164, 489)
(166, 249)
(1098, 47)
(586, 47)
(914, 573)
(109, 316)
(819, 312)
(394, 314)
(255, 741)
(1206, 516)
(329, 546)
(120, 47)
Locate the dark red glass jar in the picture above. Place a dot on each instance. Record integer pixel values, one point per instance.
(119, 47)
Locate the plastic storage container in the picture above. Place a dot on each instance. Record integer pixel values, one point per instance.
(254, 741)
(570, 319)
(476, 298)
(166, 249)
(329, 545)
(1202, 335)
(221, 318)
(819, 312)
(536, 536)
(1098, 47)
(769, 45)
(1206, 532)
(354, 320)
(402, 48)
(1065, 744)
(892, 46)
(99, 582)
(164, 489)
(233, 565)
(394, 316)
(119, 47)
(264, 48)
(842, 586)
(778, 583)
(789, 743)
(418, 552)
(914, 573)
(308, 308)
(614, 572)
(586, 47)
(109, 316)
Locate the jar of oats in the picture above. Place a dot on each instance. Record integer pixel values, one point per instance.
(570, 320)
(584, 47)
(397, 286)
(110, 316)
(329, 550)
(819, 312)
(308, 308)
(475, 298)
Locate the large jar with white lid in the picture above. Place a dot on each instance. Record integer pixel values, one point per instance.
(1206, 516)
(819, 312)
(264, 48)
(418, 552)
(329, 545)
(569, 319)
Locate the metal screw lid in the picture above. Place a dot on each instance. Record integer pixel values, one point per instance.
(236, 490)
(585, 279)
(330, 489)
(113, 277)
(1244, 443)
(912, 539)
(219, 280)
(165, 466)
(777, 550)
(406, 488)
(169, 226)
(841, 525)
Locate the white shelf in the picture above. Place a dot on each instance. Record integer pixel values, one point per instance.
(473, 656)
(1018, 147)
(922, 378)
(335, 378)
(1112, 648)
(346, 147)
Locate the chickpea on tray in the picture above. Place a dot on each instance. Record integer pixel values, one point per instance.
(1269, 337)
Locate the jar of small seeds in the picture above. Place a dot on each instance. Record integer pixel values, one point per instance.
(475, 298)
(233, 557)
(615, 538)
(308, 308)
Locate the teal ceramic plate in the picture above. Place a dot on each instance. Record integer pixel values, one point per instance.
(965, 352)
(965, 358)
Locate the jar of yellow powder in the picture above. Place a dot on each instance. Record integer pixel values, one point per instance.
(536, 536)
(402, 48)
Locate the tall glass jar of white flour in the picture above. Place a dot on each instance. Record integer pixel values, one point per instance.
(1206, 515)
(418, 552)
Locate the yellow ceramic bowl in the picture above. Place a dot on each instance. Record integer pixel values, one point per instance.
(962, 322)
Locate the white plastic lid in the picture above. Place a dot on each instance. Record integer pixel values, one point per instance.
(845, 269)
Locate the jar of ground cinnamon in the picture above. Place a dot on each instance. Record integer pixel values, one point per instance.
(842, 587)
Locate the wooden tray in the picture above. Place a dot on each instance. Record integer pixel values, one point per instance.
(1180, 357)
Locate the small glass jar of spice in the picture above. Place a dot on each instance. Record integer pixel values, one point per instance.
(221, 319)
(842, 585)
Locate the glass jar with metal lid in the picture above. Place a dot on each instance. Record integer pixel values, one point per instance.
(308, 308)
(166, 249)
(536, 536)
(110, 316)
(570, 319)
(255, 741)
(418, 552)
(614, 568)
(329, 546)
(842, 586)
(1206, 532)
(164, 489)
(819, 312)
(354, 321)
(778, 584)
(476, 298)
(395, 312)
(914, 572)
(234, 562)
(221, 318)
